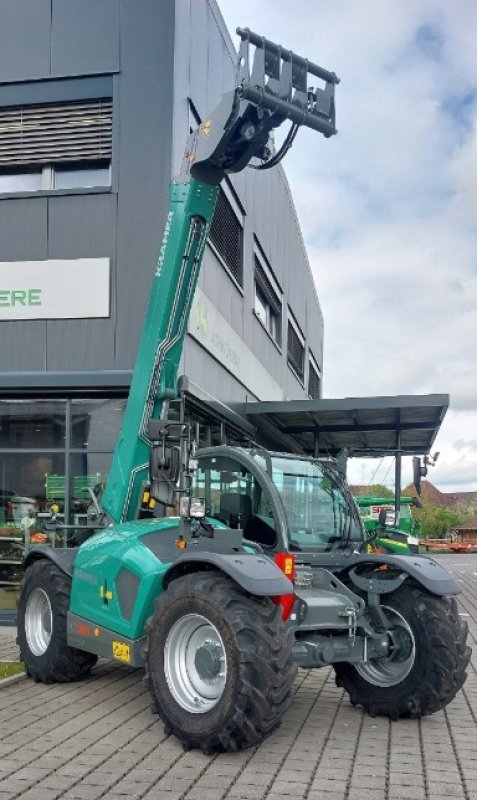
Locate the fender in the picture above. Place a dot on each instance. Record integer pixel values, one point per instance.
(256, 574)
(63, 557)
(424, 570)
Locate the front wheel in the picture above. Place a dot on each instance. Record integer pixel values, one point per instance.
(431, 668)
(41, 621)
(218, 663)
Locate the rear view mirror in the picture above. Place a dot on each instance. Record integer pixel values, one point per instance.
(418, 471)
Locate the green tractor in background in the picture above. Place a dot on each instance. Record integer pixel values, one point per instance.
(379, 520)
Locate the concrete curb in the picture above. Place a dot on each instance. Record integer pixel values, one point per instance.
(12, 679)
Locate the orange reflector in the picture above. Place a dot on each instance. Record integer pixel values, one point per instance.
(286, 562)
(181, 543)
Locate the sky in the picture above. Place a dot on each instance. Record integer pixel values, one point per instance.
(388, 207)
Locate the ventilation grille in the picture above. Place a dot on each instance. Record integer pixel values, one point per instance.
(226, 236)
(313, 383)
(296, 351)
(44, 134)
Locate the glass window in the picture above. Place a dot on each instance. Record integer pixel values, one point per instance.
(96, 424)
(77, 177)
(61, 145)
(56, 132)
(267, 301)
(32, 423)
(87, 471)
(318, 511)
(267, 314)
(234, 496)
(24, 484)
(21, 181)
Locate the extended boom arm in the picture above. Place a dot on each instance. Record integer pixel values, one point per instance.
(274, 89)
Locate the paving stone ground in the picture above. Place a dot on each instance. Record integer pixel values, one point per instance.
(99, 739)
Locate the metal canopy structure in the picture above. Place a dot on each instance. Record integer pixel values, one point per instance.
(367, 426)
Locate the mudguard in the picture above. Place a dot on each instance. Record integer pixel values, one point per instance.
(424, 570)
(256, 574)
(63, 557)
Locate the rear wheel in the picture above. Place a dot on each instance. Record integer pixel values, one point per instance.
(218, 663)
(41, 620)
(429, 668)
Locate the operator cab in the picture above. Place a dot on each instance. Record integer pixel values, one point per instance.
(280, 501)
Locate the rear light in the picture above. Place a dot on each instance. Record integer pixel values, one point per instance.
(286, 563)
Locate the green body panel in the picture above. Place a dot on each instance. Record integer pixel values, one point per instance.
(407, 524)
(191, 209)
(391, 545)
(100, 561)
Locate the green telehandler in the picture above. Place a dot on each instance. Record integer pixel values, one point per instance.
(264, 568)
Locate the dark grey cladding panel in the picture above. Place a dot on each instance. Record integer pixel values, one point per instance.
(198, 48)
(84, 36)
(53, 91)
(86, 344)
(82, 226)
(144, 165)
(24, 39)
(23, 229)
(23, 345)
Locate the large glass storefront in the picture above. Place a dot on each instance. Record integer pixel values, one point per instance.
(52, 451)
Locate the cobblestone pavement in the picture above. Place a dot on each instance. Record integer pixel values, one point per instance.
(99, 739)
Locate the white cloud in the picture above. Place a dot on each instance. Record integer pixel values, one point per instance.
(388, 208)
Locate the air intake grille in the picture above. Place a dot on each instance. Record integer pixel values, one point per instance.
(226, 236)
(313, 383)
(43, 134)
(296, 351)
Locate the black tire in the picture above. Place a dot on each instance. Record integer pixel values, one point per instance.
(435, 668)
(41, 620)
(250, 694)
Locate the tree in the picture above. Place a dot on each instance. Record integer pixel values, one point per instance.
(379, 490)
(437, 521)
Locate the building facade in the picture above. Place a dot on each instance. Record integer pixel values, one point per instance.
(97, 99)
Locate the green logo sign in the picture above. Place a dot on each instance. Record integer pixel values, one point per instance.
(10, 298)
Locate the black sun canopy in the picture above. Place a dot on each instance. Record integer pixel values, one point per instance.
(367, 426)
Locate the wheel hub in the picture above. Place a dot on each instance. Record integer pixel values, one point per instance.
(401, 645)
(396, 666)
(208, 660)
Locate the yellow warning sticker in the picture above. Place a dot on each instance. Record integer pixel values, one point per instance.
(121, 651)
(206, 127)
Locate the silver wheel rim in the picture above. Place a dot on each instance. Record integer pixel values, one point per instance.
(195, 663)
(38, 622)
(382, 671)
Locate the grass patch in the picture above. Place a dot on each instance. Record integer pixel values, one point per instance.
(9, 668)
